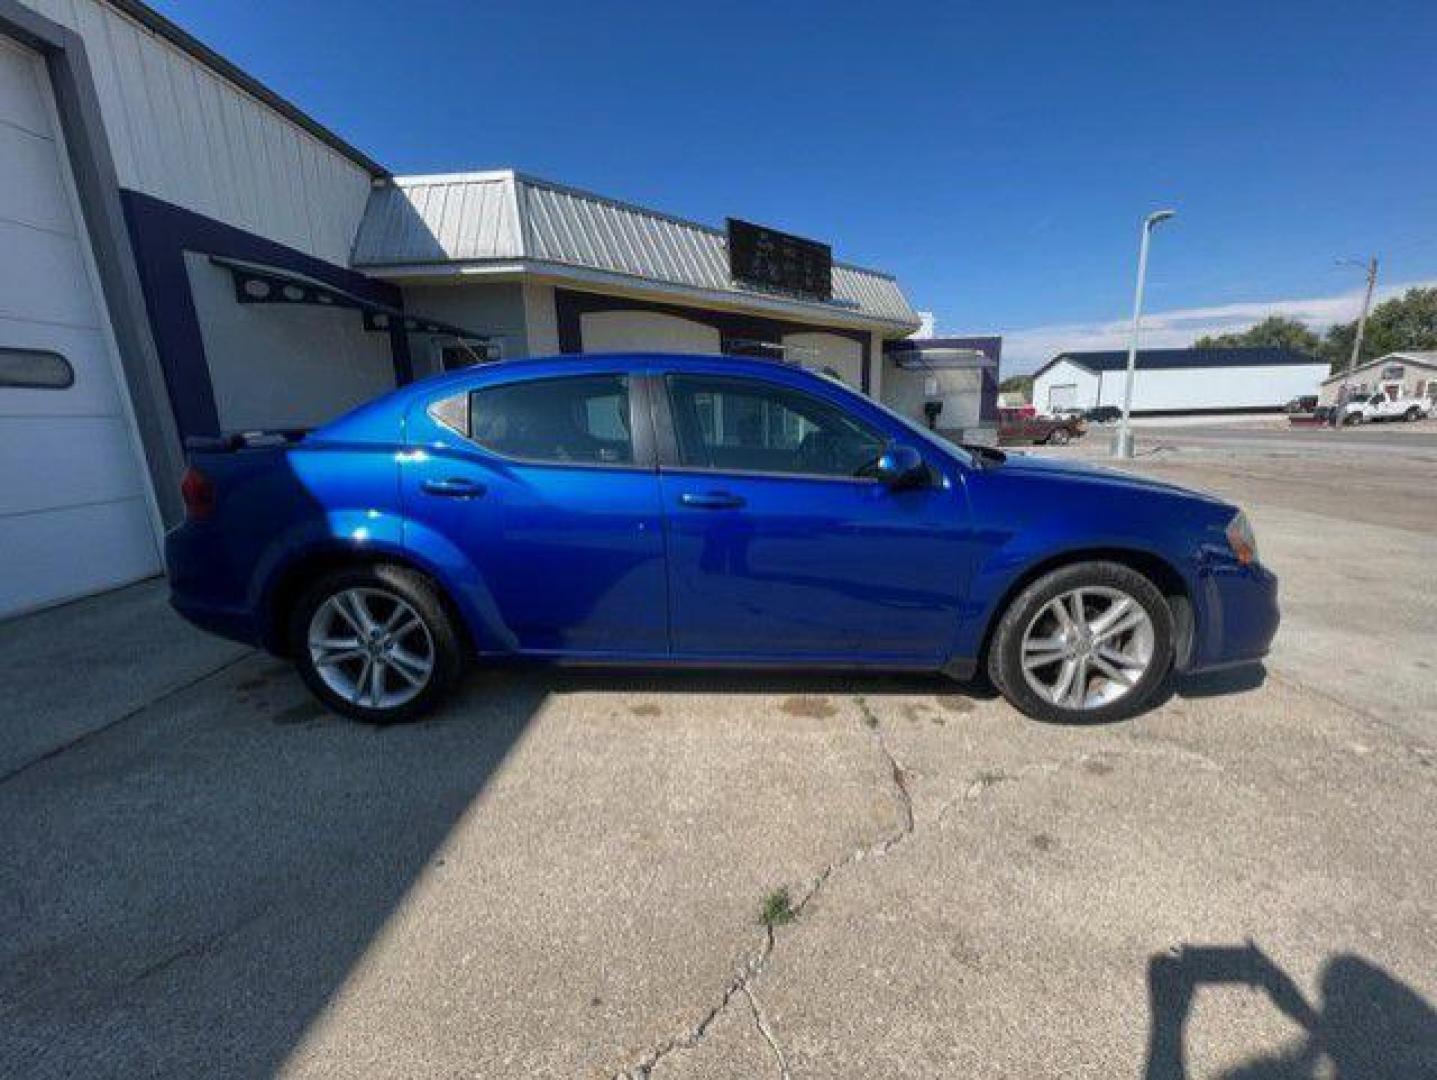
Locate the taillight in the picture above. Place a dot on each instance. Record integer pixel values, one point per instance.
(198, 491)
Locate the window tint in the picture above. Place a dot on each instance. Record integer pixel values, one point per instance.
(581, 418)
(34, 369)
(745, 425)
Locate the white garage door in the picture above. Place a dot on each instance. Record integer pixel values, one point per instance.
(827, 352)
(75, 514)
(645, 331)
(1062, 397)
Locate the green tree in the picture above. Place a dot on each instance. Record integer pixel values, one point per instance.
(1018, 384)
(1273, 332)
(1405, 322)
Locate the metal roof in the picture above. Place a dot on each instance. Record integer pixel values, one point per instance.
(1184, 359)
(1420, 357)
(497, 216)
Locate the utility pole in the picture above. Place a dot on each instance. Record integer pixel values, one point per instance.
(1366, 306)
(1340, 402)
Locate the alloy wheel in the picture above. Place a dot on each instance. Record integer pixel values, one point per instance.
(371, 648)
(1087, 647)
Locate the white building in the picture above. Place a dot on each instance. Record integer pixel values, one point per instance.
(1179, 381)
(1399, 374)
(183, 252)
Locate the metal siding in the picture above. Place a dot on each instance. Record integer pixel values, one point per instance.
(1260, 386)
(1066, 373)
(181, 133)
(412, 221)
(439, 221)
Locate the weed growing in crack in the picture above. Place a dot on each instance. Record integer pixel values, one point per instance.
(777, 909)
(866, 710)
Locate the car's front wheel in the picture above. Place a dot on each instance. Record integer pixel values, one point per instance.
(1059, 437)
(374, 643)
(1089, 642)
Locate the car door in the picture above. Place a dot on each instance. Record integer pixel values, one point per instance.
(540, 496)
(779, 546)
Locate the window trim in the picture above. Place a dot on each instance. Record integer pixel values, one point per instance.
(670, 462)
(22, 350)
(641, 436)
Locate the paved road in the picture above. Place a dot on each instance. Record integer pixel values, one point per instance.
(560, 876)
(1407, 439)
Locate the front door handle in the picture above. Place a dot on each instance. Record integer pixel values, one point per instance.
(711, 500)
(454, 488)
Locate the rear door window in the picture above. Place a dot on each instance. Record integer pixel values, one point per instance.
(579, 419)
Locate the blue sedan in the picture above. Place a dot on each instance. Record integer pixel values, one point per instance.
(654, 509)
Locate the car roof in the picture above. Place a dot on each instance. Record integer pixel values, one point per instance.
(605, 363)
(389, 409)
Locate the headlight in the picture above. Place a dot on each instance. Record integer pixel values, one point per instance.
(1241, 539)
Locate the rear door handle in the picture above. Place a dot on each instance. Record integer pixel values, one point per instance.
(454, 488)
(711, 500)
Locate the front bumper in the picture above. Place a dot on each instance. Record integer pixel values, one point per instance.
(1236, 618)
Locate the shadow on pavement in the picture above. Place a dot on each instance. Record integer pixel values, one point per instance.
(1238, 680)
(184, 893)
(1368, 1025)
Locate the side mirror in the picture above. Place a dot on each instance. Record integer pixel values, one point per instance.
(901, 467)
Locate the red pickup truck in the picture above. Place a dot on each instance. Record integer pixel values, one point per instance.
(1016, 426)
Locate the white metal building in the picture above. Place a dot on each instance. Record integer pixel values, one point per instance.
(1179, 381)
(183, 252)
(1399, 374)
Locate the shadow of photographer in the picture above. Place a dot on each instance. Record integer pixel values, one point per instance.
(1368, 1025)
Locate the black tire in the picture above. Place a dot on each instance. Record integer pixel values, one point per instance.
(420, 594)
(1353, 419)
(1412, 415)
(1005, 647)
(1059, 437)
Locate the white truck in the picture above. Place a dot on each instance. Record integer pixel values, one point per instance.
(1372, 408)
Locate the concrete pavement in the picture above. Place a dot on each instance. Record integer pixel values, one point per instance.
(562, 874)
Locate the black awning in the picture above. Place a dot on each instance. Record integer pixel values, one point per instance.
(256, 284)
(939, 359)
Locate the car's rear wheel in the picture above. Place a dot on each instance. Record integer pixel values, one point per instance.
(374, 643)
(1059, 437)
(1412, 414)
(1089, 642)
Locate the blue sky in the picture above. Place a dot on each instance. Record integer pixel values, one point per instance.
(996, 157)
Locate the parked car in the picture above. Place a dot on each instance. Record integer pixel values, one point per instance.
(1305, 403)
(1019, 427)
(1375, 408)
(1103, 414)
(700, 511)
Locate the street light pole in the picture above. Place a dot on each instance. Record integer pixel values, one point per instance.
(1123, 440)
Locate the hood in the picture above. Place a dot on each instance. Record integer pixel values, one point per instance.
(1055, 469)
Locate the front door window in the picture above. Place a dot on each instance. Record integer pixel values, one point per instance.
(747, 426)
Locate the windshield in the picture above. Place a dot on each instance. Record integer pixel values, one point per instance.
(965, 457)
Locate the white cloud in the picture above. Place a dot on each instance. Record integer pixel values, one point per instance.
(1024, 350)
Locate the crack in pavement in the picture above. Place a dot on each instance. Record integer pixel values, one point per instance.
(766, 1032)
(986, 779)
(695, 1035)
(754, 965)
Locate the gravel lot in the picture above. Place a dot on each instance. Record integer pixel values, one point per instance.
(203, 875)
